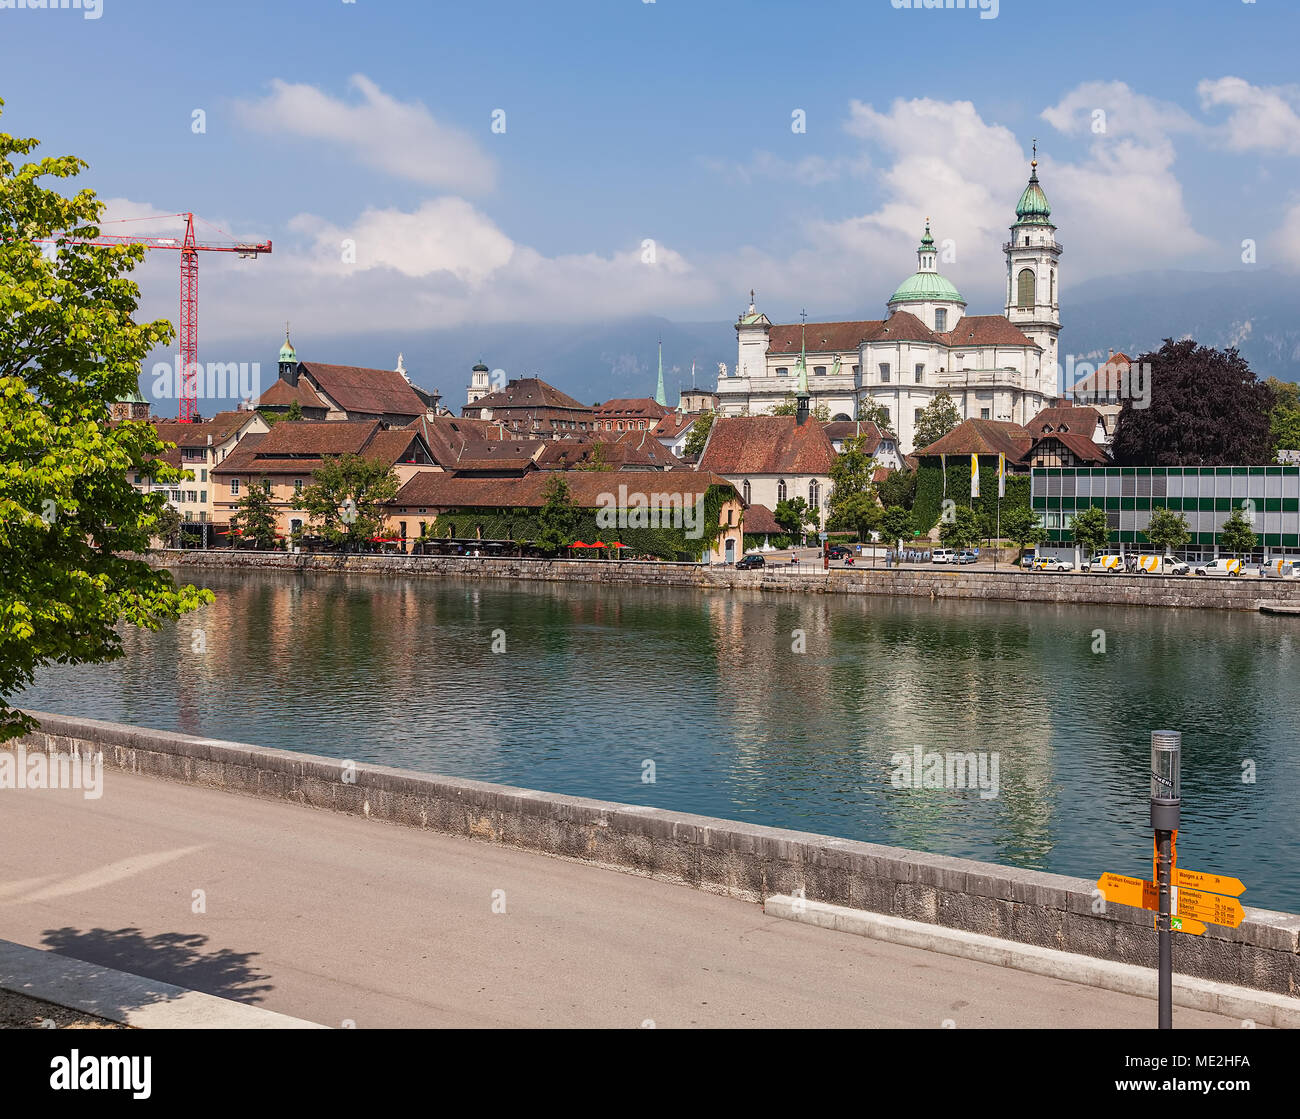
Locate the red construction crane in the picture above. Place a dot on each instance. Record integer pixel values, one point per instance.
(189, 321)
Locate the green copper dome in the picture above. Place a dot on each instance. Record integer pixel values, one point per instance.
(480, 368)
(926, 287)
(287, 353)
(1032, 209)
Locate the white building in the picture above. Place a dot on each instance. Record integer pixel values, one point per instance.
(999, 367)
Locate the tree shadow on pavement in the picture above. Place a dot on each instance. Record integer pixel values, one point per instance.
(176, 958)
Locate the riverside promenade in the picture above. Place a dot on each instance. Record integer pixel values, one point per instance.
(342, 920)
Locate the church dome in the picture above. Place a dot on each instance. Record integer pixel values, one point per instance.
(287, 353)
(926, 287)
(480, 368)
(1032, 209)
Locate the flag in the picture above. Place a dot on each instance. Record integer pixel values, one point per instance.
(1002, 475)
(974, 475)
(943, 469)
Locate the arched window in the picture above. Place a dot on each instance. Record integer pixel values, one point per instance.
(744, 490)
(780, 490)
(1025, 288)
(814, 493)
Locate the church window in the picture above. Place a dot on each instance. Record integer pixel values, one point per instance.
(814, 493)
(920, 372)
(1025, 288)
(884, 371)
(780, 489)
(744, 489)
(941, 319)
(885, 412)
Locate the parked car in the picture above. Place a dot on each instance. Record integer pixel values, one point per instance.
(1028, 561)
(1224, 567)
(839, 552)
(966, 557)
(748, 563)
(1052, 563)
(1107, 563)
(943, 555)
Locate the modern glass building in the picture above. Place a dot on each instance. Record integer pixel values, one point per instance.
(1205, 495)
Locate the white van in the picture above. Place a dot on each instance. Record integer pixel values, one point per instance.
(943, 555)
(1160, 565)
(1111, 564)
(1281, 567)
(1228, 567)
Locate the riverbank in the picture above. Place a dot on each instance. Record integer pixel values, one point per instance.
(938, 583)
(743, 861)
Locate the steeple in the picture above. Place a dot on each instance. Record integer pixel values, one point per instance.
(660, 398)
(288, 360)
(801, 386)
(1033, 286)
(926, 257)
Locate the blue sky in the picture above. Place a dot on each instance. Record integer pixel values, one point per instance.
(370, 122)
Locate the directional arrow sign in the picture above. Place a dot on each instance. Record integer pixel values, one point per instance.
(1187, 925)
(1210, 907)
(1123, 890)
(1214, 883)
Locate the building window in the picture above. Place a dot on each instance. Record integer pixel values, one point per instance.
(137, 479)
(203, 496)
(782, 371)
(203, 475)
(266, 485)
(297, 485)
(819, 371)
(1025, 289)
(916, 415)
(984, 413)
(884, 371)
(856, 370)
(780, 490)
(203, 516)
(814, 493)
(191, 495)
(188, 515)
(941, 319)
(920, 373)
(885, 412)
(744, 489)
(234, 486)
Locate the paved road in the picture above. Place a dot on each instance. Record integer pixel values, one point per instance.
(329, 917)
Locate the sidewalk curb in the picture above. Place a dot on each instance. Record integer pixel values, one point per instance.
(145, 1004)
(1261, 1007)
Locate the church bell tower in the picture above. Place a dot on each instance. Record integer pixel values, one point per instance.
(1033, 286)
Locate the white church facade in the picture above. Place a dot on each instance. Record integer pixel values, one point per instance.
(997, 367)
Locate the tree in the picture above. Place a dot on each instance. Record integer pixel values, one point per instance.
(938, 418)
(254, 519)
(1199, 407)
(1090, 529)
(557, 520)
(294, 414)
(1237, 536)
(168, 525)
(596, 460)
(699, 434)
(860, 512)
(871, 412)
(347, 497)
(896, 523)
(1168, 531)
(962, 531)
(790, 407)
(1022, 527)
(898, 487)
(851, 482)
(794, 516)
(71, 522)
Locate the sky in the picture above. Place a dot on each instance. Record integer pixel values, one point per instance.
(424, 165)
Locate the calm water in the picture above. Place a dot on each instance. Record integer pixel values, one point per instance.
(595, 681)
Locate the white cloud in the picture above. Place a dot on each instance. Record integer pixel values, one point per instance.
(1113, 109)
(400, 138)
(1260, 117)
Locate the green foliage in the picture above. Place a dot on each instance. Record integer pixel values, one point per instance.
(871, 412)
(699, 434)
(963, 530)
(1021, 526)
(558, 519)
(1237, 535)
(1090, 530)
(70, 520)
(896, 523)
(254, 519)
(928, 504)
(347, 498)
(898, 487)
(852, 490)
(168, 525)
(597, 461)
(938, 418)
(794, 515)
(1168, 530)
(294, 414)
(790, 407)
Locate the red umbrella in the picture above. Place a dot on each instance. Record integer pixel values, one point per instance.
(580, 544)
(598, 544)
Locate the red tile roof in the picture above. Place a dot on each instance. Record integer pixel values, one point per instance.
(300, 447)
(1079, 419)
(641, 408)
(850, 429)
(527, 393)
(1107, 381)
(282, 394)
(767, 445)
(982, 437)
(588, 489)
(1080, 446)
(821, 337)
(355, 388)
(759, 519)
(985, 330)
(902, 326)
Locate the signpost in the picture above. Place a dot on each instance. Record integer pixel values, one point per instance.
(1182, 899)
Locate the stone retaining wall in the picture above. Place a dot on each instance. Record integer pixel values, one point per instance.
(740, 860)
(1244, 593)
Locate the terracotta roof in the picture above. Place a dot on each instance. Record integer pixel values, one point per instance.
(637, 407)
(838, 430)
(985, 330)
(525, 393)
(759, 519)
(1106, 381)
(821, 337)
(982, 437)
(643, 451)
(282, 394)
(1078, 419)
(673, 424)
(355, 388)
(587, 488)
(221, 427)
(904, 326)
(1080, 446)
(767, 445)
(300, 447)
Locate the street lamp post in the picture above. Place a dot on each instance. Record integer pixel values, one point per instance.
(1166, 799)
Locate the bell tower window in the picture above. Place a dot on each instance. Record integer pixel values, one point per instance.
(1025, 289)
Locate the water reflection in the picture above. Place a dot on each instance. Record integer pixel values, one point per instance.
(780, 710)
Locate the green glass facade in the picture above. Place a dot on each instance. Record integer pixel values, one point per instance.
(1205, 495)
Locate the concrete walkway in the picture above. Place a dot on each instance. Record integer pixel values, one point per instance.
(343, 921)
